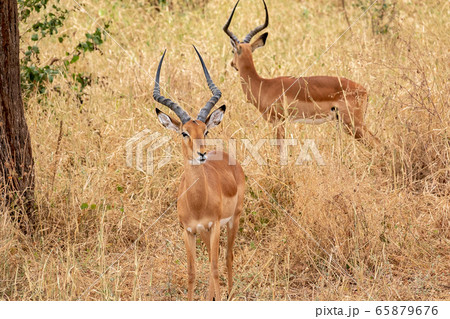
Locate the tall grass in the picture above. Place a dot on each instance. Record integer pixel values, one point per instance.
(370, 224)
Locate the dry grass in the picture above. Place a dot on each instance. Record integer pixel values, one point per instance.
(367, 225)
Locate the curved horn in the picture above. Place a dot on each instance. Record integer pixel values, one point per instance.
(184, 117)
(225, 27)
(215, 91)
(252, 33)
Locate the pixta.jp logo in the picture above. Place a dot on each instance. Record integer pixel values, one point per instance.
(140, 151)
(142, 146)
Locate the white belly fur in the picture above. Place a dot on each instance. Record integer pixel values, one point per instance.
(206, 227)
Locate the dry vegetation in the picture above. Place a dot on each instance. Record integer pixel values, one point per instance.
(370, 224)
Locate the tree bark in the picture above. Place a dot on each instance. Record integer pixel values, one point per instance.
(16, 160)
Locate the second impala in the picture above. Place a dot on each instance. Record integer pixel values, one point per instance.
(309, 100)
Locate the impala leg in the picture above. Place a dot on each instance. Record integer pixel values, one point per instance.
(280, 132)
(280, 136)
(362, 134)
(207, 240)
(189, 241)
(231, 236)
(353, 123)
(350, 124)
(215, 233)
(368, 138)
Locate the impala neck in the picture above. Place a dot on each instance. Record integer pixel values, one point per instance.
(195, 179)
(250, 79)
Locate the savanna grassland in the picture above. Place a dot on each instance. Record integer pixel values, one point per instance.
(371, 224)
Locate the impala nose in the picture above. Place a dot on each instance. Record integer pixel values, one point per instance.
(202, 157)
(234, 65)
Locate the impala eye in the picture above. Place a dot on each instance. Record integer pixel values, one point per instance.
(206, 133)
(185, 134)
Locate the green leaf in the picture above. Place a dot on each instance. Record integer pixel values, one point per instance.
(84, 206)
(97, 40)
(34, 37)
(75, 58)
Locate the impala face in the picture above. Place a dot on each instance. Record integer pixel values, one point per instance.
(233, 62)
(242, 52)
(193, 133)
(237, 51)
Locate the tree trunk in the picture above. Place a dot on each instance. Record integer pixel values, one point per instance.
(16, 161)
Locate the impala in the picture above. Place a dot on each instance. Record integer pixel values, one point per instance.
(309, 100)
(211, 192)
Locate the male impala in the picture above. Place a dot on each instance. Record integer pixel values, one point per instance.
(211, 192)
(310, 100)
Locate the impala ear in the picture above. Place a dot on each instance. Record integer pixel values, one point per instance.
(260, 42)
(216, 117)
(168, 122)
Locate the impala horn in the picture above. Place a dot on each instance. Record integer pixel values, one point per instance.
(184, 117)
(257, 29)
(225, 27)
(215, 91)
